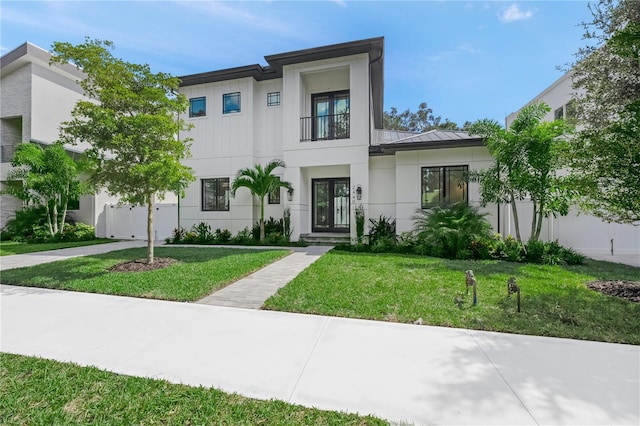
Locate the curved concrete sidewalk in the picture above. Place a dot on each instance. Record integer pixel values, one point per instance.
(400, 372)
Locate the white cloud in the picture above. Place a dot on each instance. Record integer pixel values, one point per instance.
(513, 13)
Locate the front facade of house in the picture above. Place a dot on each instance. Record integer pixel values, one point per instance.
(320, 110)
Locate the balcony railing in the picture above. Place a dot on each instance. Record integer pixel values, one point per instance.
(325, 127)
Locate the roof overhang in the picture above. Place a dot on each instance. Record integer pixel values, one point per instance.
(30, 53)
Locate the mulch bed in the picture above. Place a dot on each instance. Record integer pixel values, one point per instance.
(140, 265)
(628, 290)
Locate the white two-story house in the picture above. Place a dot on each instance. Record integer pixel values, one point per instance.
(321, 111)
(36, 97)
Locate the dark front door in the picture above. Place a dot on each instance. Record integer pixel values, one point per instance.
(330, 205)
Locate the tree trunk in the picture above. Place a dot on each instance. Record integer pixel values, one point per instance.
(516, 222)
(46, 207)
(150, 229)
(262, 219)
(54, 216)
(534, 222)
(64, 203)
(540, 217)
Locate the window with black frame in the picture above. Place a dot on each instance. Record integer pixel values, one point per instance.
(444, 185)
(215, 194)
(231, 103)
(198, 107)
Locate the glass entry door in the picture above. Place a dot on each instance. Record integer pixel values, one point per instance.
(330, 205)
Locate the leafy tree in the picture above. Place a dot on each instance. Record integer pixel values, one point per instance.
(260, 181)
(420, 121)
(607, 71)
(527, 160)
(608, 164)
(46, 177)
(607, 77)
(131, 124)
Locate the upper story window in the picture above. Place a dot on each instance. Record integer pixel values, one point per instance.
(215, 194)
(273, 99)
(231, 102)
(559, 113)
(198, 107)
(330, 118)
(444, 185)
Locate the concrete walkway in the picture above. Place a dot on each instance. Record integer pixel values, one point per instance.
(400, 372)
(37, 258)
(252, 291)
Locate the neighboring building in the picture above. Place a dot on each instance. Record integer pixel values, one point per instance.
(586, 233)
(35, 98)
(320, 110)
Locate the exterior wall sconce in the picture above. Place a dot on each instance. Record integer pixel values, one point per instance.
(290, 194)
(359, 192)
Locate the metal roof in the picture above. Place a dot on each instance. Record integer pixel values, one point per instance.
(390, 141)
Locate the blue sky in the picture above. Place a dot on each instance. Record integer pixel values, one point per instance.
(466, 59)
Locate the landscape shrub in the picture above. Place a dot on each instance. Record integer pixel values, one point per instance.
(26, 224)
(286, 224)
(30, 226)
(382, 233)
(222, 236)
(572, 257)
(271, 226)
(202, 233)
(177, 236)
(243, 237)
(449, 231)
(78, 232)
(359, 213)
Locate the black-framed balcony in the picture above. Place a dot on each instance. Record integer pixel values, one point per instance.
(330, 119)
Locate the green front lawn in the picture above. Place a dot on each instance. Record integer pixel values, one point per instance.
(42, 392)
(199, 272)
(404, 288)
(8, 248)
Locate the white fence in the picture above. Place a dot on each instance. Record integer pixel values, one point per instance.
(127, 222)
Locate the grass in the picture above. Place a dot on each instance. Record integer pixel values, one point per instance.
(403, 288)
(8, 248)
(37, 391)
(199, 272)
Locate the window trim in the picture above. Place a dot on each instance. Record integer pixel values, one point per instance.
(446, 170)
(269, 101)
(204, 114)
(215, 208)
(234, 111)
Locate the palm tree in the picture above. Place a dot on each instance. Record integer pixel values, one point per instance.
(260, 181)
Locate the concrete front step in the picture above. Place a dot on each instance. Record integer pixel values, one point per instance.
(318, 238)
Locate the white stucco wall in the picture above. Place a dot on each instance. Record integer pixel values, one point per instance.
(223, 144)
(408, 178)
